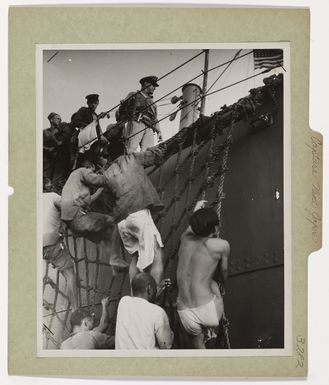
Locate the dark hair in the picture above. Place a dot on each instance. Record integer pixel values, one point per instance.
(203, 222)
(51, 115)
(141, 281)
(77, 316)
(47, 184)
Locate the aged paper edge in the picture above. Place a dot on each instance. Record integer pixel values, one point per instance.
(32, 25)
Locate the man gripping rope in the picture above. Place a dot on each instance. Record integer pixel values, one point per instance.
(199, 302)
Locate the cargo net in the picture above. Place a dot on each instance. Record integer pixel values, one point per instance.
(193, 167)
(192, 173)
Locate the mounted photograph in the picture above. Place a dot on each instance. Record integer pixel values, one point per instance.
(163, 200)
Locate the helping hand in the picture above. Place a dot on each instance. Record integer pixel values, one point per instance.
(103, 140)
(159, 136)
(166, 283)
(200, 205)
(105, 301)
(103, 114)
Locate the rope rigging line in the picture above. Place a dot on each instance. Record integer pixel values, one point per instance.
(160, 78)
(180, 66)
(224, 323)
(202, 74)
(210, 159)
(224, 70)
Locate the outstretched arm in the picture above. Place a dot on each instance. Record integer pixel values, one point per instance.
(224, 262)
(199, 205)
(91, 179)
(96, 195)
(151, 157)
(103, 323)
(222, 250)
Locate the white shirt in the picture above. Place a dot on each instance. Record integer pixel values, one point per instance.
(141, 325)
(51, 217)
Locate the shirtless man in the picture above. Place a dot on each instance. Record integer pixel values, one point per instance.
(199, 302)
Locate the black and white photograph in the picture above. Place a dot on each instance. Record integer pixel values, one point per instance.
(164, 199)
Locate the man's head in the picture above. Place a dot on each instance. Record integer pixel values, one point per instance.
(88, 164)
(81, 320)
(148, 84)
(54, 119)
(47, 185)
(143, 285)
(92, 101)
(203, 222)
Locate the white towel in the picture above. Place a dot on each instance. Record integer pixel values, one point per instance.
(87, 136)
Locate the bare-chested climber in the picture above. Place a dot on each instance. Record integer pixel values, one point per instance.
(199, 302)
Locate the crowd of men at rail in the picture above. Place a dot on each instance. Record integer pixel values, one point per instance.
(136, 125)
(141, 324)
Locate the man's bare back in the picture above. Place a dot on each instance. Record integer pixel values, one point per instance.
(199, 302)
(198, 258)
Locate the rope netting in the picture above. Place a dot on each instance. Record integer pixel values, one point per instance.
(194, 167)
(199, 165)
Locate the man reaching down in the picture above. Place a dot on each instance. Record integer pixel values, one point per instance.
(77, 214)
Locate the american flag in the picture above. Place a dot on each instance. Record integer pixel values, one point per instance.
(268, 58)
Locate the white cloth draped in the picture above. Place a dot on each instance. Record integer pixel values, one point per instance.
(87, 136)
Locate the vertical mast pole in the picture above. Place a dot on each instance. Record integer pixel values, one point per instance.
(205, 82)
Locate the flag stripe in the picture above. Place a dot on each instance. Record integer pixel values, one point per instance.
(268, 58)
(270, 62)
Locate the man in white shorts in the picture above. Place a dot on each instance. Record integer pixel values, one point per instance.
(135, 199)
(199, 302)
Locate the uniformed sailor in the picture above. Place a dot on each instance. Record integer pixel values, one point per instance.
(140, 112)
(83, 119)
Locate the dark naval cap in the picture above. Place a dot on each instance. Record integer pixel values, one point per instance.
(92, 98)
(150, 79)
(51, 115)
